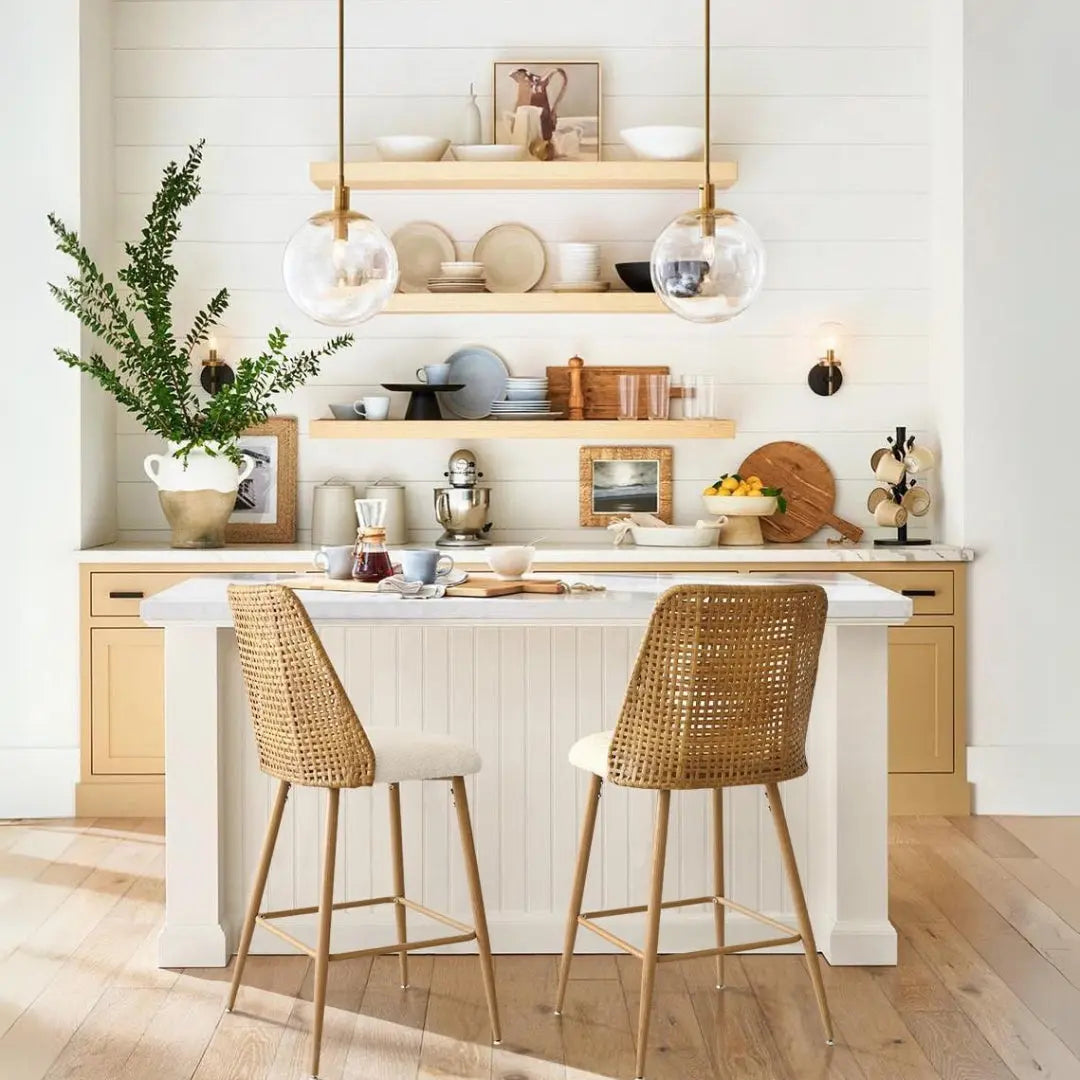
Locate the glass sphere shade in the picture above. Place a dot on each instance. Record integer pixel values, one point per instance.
(708, 266)
(340, 268)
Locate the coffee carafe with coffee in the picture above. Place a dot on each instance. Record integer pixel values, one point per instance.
(462, 507)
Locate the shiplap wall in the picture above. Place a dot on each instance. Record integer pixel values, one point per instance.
(824, 104)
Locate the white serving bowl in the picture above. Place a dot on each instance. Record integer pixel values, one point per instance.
(489, 152)
(681, 536)
(665, 142)
(410, 148)
(740, 505)
(527, 395)
(462, 271)
(510, 562)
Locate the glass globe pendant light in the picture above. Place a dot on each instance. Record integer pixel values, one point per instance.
(708, 265)
(340, 268)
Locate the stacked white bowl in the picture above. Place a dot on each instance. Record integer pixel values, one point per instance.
(526, 399)
(579, 269)
(458, 277)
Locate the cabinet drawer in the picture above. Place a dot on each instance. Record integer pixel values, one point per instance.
(122, 593)
(931, 591)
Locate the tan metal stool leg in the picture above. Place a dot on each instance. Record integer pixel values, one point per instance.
(718, 878)
(399, 878)
(258, 887)
(483, 942)
(588, 827)
(326, 900)
(791, 868)
(652, 929)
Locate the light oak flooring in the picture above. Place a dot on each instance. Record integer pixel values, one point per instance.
(988, 986)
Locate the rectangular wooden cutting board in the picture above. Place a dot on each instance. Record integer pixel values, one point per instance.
(600, 386)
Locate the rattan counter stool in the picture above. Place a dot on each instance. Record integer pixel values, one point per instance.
(719, 697)
(308, 733)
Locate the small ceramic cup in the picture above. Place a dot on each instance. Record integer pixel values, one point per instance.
(888, 469)
(344, 412)
(876, 498)
(373, 408)
(511, 562)
(919, 459)
(336, 562)
(890, 514)
(434, 374)
(425, 565)
(916, 501)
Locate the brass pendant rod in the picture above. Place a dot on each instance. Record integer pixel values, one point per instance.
(341, 93)
(708, 190)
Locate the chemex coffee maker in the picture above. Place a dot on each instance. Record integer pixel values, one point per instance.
(462, 507)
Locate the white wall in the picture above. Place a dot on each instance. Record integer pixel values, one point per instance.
(824, 105)
(41, 57)
(1021, 388)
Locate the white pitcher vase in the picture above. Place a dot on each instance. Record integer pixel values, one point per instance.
(197, 493)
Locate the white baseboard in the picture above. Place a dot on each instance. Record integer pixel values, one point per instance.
(38, 782)
(1033, 780)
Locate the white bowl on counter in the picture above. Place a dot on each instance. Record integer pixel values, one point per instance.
(490, 152)
(665, 142)
(676, 536)
(740, 505)
(410, 148)
(509, 562)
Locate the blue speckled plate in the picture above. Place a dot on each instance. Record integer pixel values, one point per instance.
(484, 375)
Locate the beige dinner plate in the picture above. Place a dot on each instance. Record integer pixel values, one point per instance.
(513, 257)
(421, 248)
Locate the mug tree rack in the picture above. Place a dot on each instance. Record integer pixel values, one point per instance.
(899, 447)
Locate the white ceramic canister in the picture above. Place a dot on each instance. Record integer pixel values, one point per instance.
(394, 493)
(333, 513)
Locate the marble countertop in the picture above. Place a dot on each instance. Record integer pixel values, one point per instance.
(626, 598)
(547, 555)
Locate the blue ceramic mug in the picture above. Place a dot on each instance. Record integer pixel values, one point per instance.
(424, 565)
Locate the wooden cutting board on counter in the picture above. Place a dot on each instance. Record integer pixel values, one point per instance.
(600, 387)
(476, 586)
(808, 486)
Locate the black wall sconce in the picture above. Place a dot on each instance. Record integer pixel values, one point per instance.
(215, 372)
(825, 376)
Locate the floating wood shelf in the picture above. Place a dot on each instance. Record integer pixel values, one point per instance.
(618, 430)
(536, 303)
(522, 175)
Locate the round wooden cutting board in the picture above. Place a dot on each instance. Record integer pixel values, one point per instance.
(808, 486)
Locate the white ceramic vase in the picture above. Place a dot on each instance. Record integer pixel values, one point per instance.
(197, 493)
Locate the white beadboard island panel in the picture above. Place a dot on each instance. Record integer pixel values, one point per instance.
(824, 106)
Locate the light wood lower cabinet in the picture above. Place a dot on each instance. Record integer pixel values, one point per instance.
(123, 708)
(127, 685)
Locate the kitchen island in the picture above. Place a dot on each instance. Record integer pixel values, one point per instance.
(521, 678)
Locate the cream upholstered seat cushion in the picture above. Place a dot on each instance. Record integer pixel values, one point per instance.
(591, 753)
(416, 755)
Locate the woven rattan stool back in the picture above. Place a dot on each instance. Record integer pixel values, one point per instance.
(721, 691)
(305, 727)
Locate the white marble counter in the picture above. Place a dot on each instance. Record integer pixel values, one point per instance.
(552, 555)
(626, 597)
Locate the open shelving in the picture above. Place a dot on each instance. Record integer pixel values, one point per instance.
(619, 430)
(534, 303)
(521, 175)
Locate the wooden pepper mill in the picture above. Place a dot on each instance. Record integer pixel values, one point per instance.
(576, 402)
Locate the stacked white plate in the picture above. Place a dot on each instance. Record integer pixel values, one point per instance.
(579, 269)
(458, 277)
(526, 399)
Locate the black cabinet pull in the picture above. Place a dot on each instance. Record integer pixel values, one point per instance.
(120, 595)
(918, 592)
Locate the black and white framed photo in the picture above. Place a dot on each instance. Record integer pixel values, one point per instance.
(265, 511)
(551, 108)
(621, 480)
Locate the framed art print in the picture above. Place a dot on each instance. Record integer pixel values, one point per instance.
(265, 511)
(620, 480)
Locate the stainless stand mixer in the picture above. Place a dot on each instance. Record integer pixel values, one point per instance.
(462, 508)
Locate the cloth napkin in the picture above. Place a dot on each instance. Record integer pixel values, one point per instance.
(411, 590)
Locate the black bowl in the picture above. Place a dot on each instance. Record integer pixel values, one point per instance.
(635, 276)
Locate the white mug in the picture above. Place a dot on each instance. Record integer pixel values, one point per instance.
(890, 514)
(889, 469)
(919, 459)
(336, 562)
(373, 408)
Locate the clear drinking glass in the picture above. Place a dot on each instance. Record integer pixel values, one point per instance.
(705, 402)
(659, 397)
(628, 397)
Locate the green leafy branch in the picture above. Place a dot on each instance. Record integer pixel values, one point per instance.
(149, 373)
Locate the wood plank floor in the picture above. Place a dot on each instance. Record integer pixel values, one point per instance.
(988, 985)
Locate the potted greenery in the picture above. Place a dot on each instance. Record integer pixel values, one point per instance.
(150, 371)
